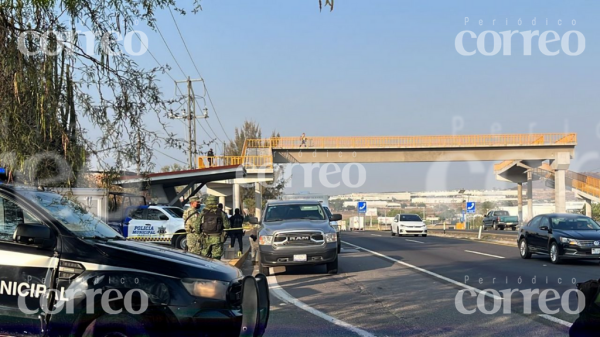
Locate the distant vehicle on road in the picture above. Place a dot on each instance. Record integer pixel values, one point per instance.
(500, 220)
(408, 224)
(562, 236)
(155, 223)
(297, 232)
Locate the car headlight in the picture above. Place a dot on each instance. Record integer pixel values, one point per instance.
(206, 288)
(265, 240)
(569, 241)
(330, 237)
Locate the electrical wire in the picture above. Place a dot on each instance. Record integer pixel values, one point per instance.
(164, 154)
(170, 52)
(200, 75)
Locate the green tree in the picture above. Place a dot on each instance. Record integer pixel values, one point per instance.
(172, 168)
(45, 96)
(251, 130)
(487, 206)
(595, 211)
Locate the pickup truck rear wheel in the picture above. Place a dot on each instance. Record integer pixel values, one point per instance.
(332, 267)
(514, 228)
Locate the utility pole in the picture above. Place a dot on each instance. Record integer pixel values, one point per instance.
(190, 116)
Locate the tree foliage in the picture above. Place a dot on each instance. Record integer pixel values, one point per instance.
(44, 96)
(252, 130)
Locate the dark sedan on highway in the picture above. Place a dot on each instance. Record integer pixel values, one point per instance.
(562, 236)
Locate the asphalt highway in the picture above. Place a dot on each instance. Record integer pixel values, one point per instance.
(408, 286)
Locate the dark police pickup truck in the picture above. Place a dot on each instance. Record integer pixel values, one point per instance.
(64, 272)
(297, 232)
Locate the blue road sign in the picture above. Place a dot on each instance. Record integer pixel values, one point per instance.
(362, 207)
(471, 207)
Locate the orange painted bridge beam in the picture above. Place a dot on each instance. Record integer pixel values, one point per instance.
(453, 141)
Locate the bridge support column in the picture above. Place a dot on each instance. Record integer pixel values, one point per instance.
(588, 207)
(520, 201)
(529, 195)
(237, 197)
(560, 196)
(222, 201)
(560, 166)
(258, 190)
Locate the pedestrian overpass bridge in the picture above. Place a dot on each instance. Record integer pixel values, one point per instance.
(514, 150)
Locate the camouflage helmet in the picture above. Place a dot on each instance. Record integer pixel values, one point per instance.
(211, 201)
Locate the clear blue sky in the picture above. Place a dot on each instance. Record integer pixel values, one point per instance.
(388, 67)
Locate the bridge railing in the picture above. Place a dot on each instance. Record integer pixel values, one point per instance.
(581, 182)
(502, 165)
(416, 141)
(247, 161)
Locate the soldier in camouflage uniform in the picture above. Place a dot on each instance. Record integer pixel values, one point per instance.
(191, 217)
(212, 223)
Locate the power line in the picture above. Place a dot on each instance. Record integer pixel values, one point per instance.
(207, 123)
(198, 71)
(169, 49)
(169, 156)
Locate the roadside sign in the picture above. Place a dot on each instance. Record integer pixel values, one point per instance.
(471, 207)
(371, 212)
(362, 207)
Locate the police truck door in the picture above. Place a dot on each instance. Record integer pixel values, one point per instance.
(25, 273)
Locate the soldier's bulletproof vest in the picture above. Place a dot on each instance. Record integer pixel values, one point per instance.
(213, 222)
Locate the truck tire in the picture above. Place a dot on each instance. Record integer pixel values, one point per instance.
(514, 228)
(332, 267)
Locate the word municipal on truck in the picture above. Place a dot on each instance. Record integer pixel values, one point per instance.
(24, 289)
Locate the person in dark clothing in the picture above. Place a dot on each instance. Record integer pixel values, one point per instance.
(210, 155)
(237, 221)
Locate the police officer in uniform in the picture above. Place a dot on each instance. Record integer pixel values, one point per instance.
(191, 218)
(212, 224)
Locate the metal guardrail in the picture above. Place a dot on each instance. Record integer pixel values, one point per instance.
(455, 141)
(247, 161)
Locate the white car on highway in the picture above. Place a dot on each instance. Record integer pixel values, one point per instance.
(408, 224)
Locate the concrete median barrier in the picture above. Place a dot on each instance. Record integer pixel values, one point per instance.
(504, 239)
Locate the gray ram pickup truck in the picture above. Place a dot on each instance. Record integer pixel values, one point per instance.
(297, 232)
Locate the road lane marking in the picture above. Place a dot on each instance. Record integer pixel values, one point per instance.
(460, 284)
(284, 296)
(556, 320)
(479, 253)
(376, 235)
(414, 241)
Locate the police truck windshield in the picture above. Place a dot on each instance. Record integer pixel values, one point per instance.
(289, 212)
(72, 216)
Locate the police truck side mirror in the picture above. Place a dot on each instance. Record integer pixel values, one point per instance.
(34, 234)
(254, 220)
(335, 217)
